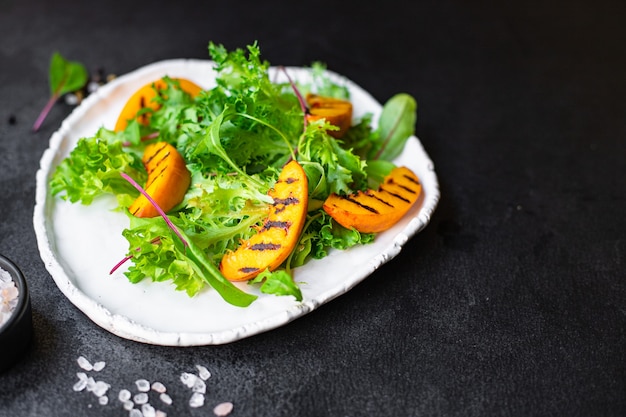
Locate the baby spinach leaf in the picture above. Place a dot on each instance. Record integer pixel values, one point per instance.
(395, 126)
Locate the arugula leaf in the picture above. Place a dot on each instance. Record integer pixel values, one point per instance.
(64, 77)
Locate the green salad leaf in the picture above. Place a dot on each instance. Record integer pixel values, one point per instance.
(396, 124)
(64, 77)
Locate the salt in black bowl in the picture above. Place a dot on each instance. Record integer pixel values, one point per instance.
(16, 333)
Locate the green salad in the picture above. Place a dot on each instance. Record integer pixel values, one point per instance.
(235, 138)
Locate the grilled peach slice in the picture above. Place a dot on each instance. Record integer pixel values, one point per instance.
(337, 112)
(144, 97)
(373, 211)
(168, 180)
(280, 232)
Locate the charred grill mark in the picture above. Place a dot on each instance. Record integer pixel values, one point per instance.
(396, 195)
(143, 118)
(407, 189)
(404, 187)
(291, 180)
(286, 201)
(265, 246)
(276, 224)
(411, 179)
(153, 178)
(369, 193)
(281, 203)
(248, 269)
(358, 203)
(156, 154)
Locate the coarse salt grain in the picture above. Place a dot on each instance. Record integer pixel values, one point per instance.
(158, 387)
(141, 398)
(124, 395)
(135, 413)
(148, 411)
(100, 388)
(203, 372)
(160, 413)
(166, 398)
(81, 384)
(84, 363)
(143, 385)
(98, 366)
(91, 383)
(199, 386)
(196, 400)
(223, 409)
(188, 379)
(8, 296)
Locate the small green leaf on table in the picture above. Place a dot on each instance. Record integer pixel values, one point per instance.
(64, 77)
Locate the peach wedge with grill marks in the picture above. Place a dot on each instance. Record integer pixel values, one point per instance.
(144, 97)
(168, 180)
(280, 232)
(337, 112)
(374, 211)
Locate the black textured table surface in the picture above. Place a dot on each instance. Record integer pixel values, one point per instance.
(512, 302)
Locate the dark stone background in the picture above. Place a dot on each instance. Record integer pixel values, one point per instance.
(512, 302)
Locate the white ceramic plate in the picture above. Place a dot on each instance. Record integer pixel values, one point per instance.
(80, 244)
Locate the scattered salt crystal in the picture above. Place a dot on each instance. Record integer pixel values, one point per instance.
(71, 99)
(158, 387)
(160, 413)
(135, 413)
(128, 405)
(143, 385)
(203, 372)
(100, 388)
(104, 400)
(199, 386)
(223, 409)
(82, 381)
(148, 411)
(80, 385)
(166, 398)
(92, 86)
(196, 400)
(84, 363)
(124, 395)
(98, 366)
(91, 384)
(188, 379)
(141, 398)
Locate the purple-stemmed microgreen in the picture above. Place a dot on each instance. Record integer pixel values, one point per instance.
(198, 260)
(301, 100)
(64, 77)
(156, 206)
(127, 258)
